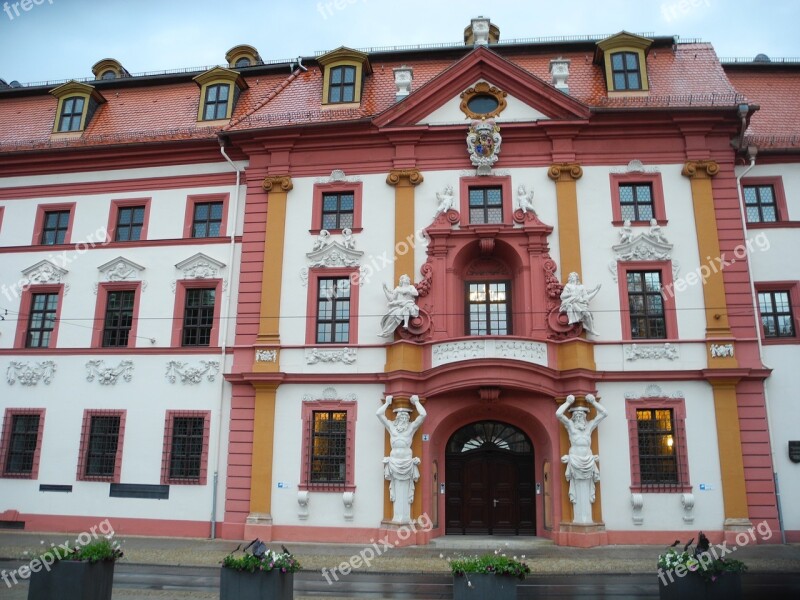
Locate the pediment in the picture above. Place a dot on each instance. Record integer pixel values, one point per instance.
(44, 271)
(121, 269)
(435, 101)
(334, 254)
(200, 266)
(643, 247)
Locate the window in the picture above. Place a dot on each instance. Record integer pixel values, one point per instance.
(101, 446)
(333, 310)
(636, 202)
(342, 87)
(71, 114)
(483, 101)
(216, 102)
(77, 103)
(41, 320)
(328, 447)
(130, 221)
(488, 308)
(646, 305)
(485, 205)
(207, 219)
(657, 435)
(56, 224)
(760, 206)
(119, 318)
(337, 210)
(625, 70)
(21, 443)
(328, 443)
(198, 316)
(777, 319)
(185, 448)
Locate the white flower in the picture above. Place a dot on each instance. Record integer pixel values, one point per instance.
(441, 555)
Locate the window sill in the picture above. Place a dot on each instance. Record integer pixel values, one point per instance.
(18, 476)
(661, 222)
(775, 225)
(662, 489)
(335, 231)
(782, 341)
(326, 487)
(335, 105)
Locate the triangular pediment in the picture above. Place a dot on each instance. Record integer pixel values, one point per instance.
(44, 271)
(121, 269)
(200, 266)
(438, 100)
(334, 254)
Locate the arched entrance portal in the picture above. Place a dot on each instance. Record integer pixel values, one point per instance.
(489, 483)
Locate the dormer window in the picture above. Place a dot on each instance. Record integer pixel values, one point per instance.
(108, 68)
(623, 58)
(77, 103)
(242, 56)
(219, 91)
(343, 76)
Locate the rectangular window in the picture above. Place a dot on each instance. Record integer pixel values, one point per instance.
(119, 318)
(41, 320)
(777, 319)
(760, 204)
(71, 114)
(658, 461)
(342, 86)
(636, 201)
(488, 308)
(328, 447)
(338, 210)
(101, 451)
(485, 205)
(333, 310)
(22, 444)
(646, 305)
(55, 226)
(198, 316)
(187, 447)
(207, 218)
(625, 71)
(216, 102)
(130, 222)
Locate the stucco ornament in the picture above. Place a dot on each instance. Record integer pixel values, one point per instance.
(208, 369)
(575, 302)
(345, 355)
(108, 375)
(445, 201)
(581, 472)
(525, 200)
(402, 306)
(721, 350)
(44, 272)
(400, 468)
(30, 374)
(483, 145)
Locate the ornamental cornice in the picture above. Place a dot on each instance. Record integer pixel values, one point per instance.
(565, 172)
(411, 177)
(277, 183)
(700, 169)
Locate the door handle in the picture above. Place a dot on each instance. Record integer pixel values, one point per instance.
(495, 501)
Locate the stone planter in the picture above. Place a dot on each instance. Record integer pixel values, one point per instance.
(484, 587)
(261, 585)
(73, 579)
(727, 586)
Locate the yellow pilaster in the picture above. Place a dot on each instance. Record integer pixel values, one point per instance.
(565, 176)
(278, 187)
(729, 442)
(700, 173)
(263, 449)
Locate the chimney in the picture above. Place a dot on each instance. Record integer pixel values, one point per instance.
(481, 32)
(402, 81)
(559, 69)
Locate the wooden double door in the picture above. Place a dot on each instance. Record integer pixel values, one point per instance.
(489, 481)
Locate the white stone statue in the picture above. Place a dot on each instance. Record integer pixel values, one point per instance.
(626, 233)
(323, 239)
(348, 241)
(582, 472)
(400, 468)
(525, 200)
(445, 200)
(655, 233)
(575, 302)
(402, 306)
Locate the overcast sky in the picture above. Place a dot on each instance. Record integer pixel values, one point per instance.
(62, 39)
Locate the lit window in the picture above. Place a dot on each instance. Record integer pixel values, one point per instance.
(488, 308)
(776, 314)
(333, 310)
(41, 320)
(760, 205)
(658, 461)
(636, 201)
(71, 114)
(198, 316)
(342, 87)
(207, 218)
(216, 102)
(130, 221)
(338, 210)
(646, 305)
(485, 205)
(625, 71)
(328, 455)
(118, 319)
(56, 224)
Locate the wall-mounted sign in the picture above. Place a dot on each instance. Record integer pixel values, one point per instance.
(794, 452)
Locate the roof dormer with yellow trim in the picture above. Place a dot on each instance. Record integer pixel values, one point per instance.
(108, 68)
(77, 103)
(242, 56)
(219, 91)
(624, 60)
(343, 72)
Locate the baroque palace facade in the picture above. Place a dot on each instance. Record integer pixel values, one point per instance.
(203, 296)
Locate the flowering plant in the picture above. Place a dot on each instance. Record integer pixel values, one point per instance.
(497, 564)
(702, 560)
(261, 558)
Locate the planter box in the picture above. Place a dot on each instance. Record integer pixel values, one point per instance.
(270, 585)
(484, 587)
(691, 587)
(73, 579)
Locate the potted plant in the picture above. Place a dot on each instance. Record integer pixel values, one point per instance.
(492, 576)
(258, 573)
(699, 573)
(85, 572)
